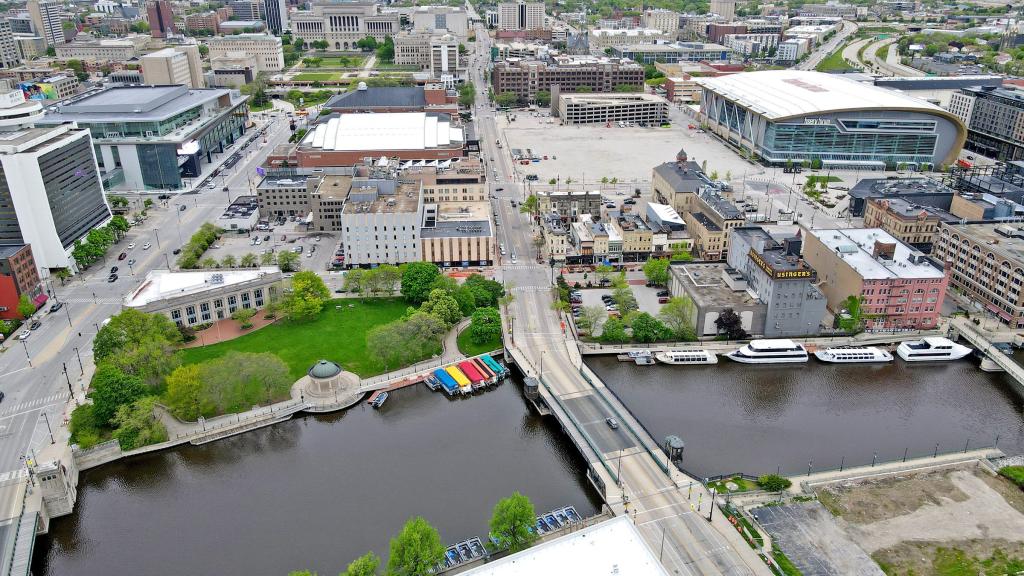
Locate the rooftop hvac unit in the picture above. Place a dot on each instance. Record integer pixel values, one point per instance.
(216, 278)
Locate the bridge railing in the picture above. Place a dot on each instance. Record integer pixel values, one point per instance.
(583, 433)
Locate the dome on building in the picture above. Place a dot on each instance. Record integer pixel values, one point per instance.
(324, 369)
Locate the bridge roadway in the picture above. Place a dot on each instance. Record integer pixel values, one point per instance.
(980, 340)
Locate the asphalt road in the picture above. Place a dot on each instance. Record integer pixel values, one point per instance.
(687, 544)
(829, 47)
(32, 373)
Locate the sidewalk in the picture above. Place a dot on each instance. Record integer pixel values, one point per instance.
(226, 329)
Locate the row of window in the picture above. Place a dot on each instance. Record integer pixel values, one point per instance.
(188, 314)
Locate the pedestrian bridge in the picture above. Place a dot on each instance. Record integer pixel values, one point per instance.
(963, 327)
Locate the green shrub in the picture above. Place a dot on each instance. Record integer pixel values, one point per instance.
(774, 482)
(83, 428)
(1013, 473)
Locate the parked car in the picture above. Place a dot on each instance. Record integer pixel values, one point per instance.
(131, 261)
(35, 325)
(164, 197)
(112, 278)
(131, 245)
(182, 207)
(147, 246)
(122, 255)
(113, 269)
(266, 238)
(664, 293)
(24, 334)
(56, 306)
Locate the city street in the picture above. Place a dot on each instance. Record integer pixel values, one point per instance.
(32, 371)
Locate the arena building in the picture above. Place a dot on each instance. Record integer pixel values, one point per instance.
(796, 116)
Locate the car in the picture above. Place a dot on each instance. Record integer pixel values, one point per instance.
(35, 325)
(131, 261)
(211, 186)
(113, 269)
(182, 207)
(663, 300)
(147, 246)
(225, 188)
(612, 423)
(122, 255)
(499, 189)
(1, 396)
(164, 197)
(24, 334)
(513, 258)
(663, 293)
(502, 251)
(257, 241)
(176, 251)
(56, 306)
(612, 308)
(266, 238)
(297, 249)
(131, 245)
(112, 278)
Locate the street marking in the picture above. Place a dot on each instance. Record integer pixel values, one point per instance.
(31, 405)
(13, 474)
(14, 371)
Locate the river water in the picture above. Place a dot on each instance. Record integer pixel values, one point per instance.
(760, 419)
(316, 492)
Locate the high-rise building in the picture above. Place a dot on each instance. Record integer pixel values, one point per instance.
(8, 47)
(277, 15)
(161, 19)
(50, 191)
(46, 20)
(248, 9)
(526, 77)
(166, 66)
(994, 119)
(267, 49)
(665, 20)
(343, 24)
(521, 16)
(724, 8)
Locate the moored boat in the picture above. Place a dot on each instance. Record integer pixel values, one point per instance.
(931, 349)
(775, 351)
(686, 356)
(853, 355)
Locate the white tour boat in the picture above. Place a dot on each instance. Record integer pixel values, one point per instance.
(931, 349)
(686, 356)
(777, 351)
(853, 355)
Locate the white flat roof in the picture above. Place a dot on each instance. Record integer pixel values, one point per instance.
(855, 246)
(162, 284)
(787, 93)
(610, 547)
(390, 131)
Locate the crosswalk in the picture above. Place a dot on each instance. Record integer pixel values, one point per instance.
(524, 267)
(38, 402)
(13, 475)
(89, 300)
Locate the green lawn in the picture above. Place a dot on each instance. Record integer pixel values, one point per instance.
(834, 62)
(317, 76)
(338, 335)
(470, 348)
(784, 562)
(342, 62)
(744, 485)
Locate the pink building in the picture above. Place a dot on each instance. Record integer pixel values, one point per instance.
(900, 286)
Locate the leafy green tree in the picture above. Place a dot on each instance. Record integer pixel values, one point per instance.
(614, 331)
(443, 305)
(507, 99)
(485, 325)
(367, 44)
(208, 262)
(229, 261)
(354, 280)
(25, 306)
(152, 360)
(416, 551)
(244, 317)
(137, 426)
(365, 565)
(531, 205)
(466, 299)
(129, 329)
(625, 299)
(512, 522)
(84, 429)
(306, 300)
(268, 259)
(417, 280)
(386, 51)
(543, 98)
(730, 324)
(486, 291)
(656, 271)
(603, 272)
(467, 94)
(647, 328)
(589, 318)
(239, 380)
(677, 316)
(287, 261)
(249, 260)
(111, 389)
(774, 482)
(628, 88)
(185, 393)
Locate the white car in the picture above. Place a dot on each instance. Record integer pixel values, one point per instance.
(147, 246)
(513, 258)
(131, 245)
(24, 334)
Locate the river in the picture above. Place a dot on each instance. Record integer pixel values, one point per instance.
(316, 492)
(760, 419)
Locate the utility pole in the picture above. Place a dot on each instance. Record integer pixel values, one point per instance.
(80, 366)
(47, 419)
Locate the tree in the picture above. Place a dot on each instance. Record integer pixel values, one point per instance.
(584, 89)
(307, 297)
(248, 261)
(531, 205)
(543, 98)
(204, 50)
(268, 259)
(507, 99)
(386, 51)
(730, 323)
(647, 328)
(354, 280)
(388, 277)
(677, 317)
(443, 305)
(321, 44)
(417, 280)
(137, 426)
(774, 482)
(416, 551)
(467, 94)
(229, 261)
(628, 88)
(131, 328)
(239, 380)
(614, 331)
(625, 299)
(151, 360)
(111, 389)
(603, 271)
(365, 565)
(485, 325)
(589, 318)
(287, 261)
(367, 44)
(185, 393)
(487, 292)
(244, 317)
(25, 306)
(656, 271)
(208, 262)
(512, 522)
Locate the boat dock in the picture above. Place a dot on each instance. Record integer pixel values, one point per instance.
(473, 549)
(462, 377)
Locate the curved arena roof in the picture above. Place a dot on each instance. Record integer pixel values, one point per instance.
(779, 94)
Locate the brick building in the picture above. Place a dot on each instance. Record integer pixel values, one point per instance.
(18, 275)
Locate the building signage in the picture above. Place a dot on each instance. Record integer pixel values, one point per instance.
(818, 121)
(777, 274)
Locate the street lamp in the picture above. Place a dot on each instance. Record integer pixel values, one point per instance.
(80, 365)
(26, 354)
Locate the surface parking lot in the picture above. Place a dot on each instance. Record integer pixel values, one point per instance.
(812, 540)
